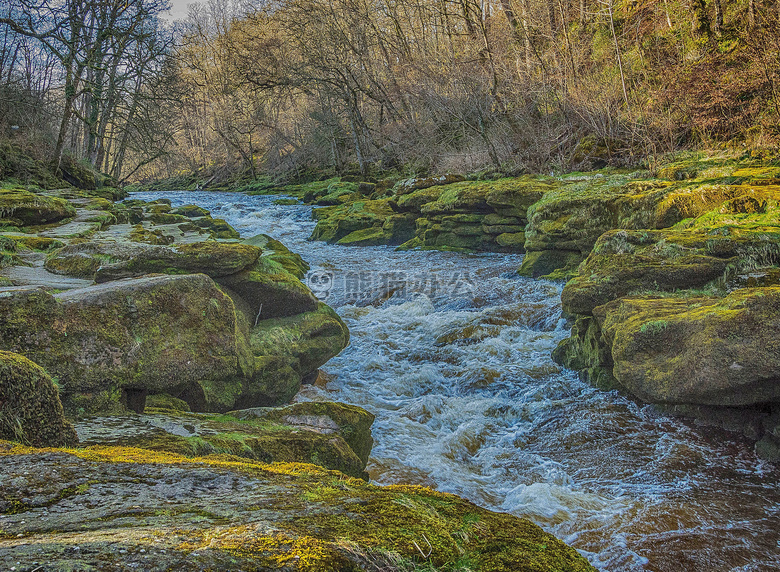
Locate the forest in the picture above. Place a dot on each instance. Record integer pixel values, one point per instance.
(287, 88)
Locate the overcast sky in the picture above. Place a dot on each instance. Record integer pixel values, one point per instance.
(178, 9)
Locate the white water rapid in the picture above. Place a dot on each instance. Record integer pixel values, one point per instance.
(451, 352)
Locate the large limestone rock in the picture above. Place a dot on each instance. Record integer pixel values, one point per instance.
(30, 408)
(708, 351)
(113, 508)
(290, 434)
(567, 222)
(351, 422)
(444, 213)
(23, 208)
(151, 334)
(178, 334)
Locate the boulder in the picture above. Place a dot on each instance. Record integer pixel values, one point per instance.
(123, 339)
(706, 350)
(286, 437)
(305, 340)
(351, 422)
(31, 209)
(624, 262)
(269, 295)
(215, 259)
(30, 408)
(407, 186)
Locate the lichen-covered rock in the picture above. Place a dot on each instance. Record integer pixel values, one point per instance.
(30, 408)
(191, 211)
(31, 209)
(305, 340)
(707, 350)
(291, 436)
(334, 223)
(134, 508)
(407, 186)
(351, 422)
(168, 334)
(586, 352)
(277, 256)
(269, 295)
(573, 217)
(624, 262)
(215, 259)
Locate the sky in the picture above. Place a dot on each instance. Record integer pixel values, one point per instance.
(178, 9)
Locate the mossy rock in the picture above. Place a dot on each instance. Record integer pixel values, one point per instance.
(693, 255)
(191, 211)
(30, 408)
(167, 218)
(336, 223)
(706, 350)
(515, 241)
(540, 263)
(269, 295)
(215, 259)
(266, 439)
(407, 186)
(277, 254)
(39, 243)
(218, 227)
(235, 513)
(154, 334)
(166, 401)
(399, 228)
(351, 422)
(141, 234)
(586, 352)
(33, 209)
(308, 339)
(373, 236)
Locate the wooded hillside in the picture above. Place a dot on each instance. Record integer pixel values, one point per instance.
(287, 87)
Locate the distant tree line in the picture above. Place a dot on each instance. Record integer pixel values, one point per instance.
(289, 87)
(82, 77)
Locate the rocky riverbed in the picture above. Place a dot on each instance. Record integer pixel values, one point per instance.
(165, 340)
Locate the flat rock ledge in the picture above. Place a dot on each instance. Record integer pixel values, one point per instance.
(115, 508)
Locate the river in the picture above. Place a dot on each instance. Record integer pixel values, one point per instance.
(451, 352)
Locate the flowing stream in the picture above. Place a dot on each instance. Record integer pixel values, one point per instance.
(451, 352)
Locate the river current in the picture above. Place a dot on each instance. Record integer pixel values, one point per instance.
(451, 352)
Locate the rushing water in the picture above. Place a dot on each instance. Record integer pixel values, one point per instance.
(451, 352)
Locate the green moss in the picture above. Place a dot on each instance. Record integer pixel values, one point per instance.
(353, 423)
(218, 227)
(141, 234)
(30, 408)
(40, 243)
(168, 218)
(191, 211)
(704, 351)
(365, 237)
(165, 401)
(311, 338)
(33, 209)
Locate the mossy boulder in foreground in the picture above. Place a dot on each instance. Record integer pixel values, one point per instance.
(133, 508)
(30, 408)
